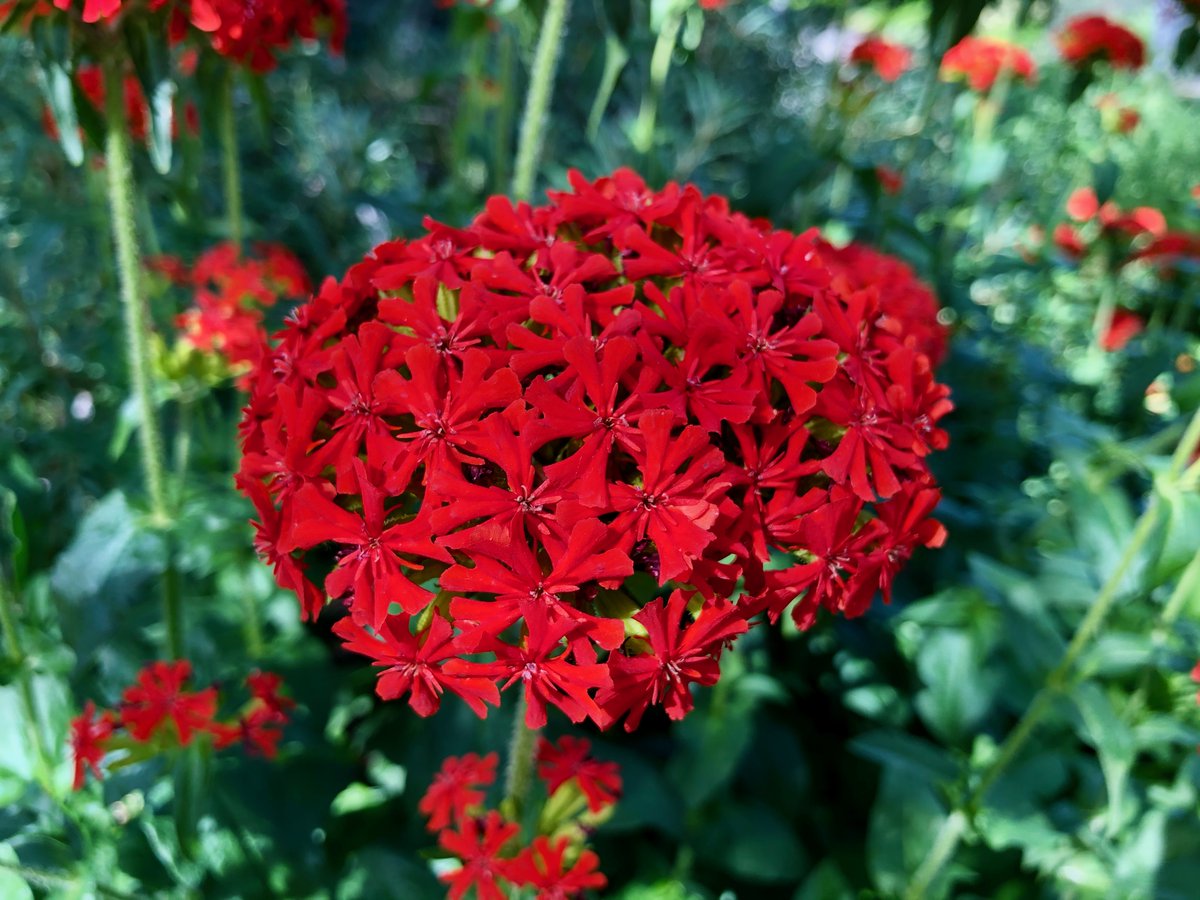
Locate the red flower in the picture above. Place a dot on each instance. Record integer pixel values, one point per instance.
(980, 61)
(523, 414)
(542, 866)
(569, 757)
(1086, 39)
(891, 181)
(158, 696)
(454, 791)
(889, 60)
(482, 866)
(1067, 240)
(88, 737)
(1123, 328)
(413, 663)
(679, 655)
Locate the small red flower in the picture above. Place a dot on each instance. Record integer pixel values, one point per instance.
(454, 792)
(1086, 39)
(158, 697)
(570, 757)
(980, 61)
(88, 737)
(543, 866)
(1123, 328)
(889, 60)
(479, 844)
(891, 181)
(1068, 240)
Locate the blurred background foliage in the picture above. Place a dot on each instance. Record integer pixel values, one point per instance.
(824, 764)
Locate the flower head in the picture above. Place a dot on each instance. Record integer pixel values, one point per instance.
(888, 60)
(980, 61)
(481, 435)
(1088, 39)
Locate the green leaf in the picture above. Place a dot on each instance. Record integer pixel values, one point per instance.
(905, 820)
(825, 882)
(957, 694)
(12, 885)
(1104, 729)
(12, 529)
(913, 756)
(152, 64)
(754, 842)
(58, 90)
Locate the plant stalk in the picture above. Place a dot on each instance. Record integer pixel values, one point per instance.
(660, 67)
(230, 168)
(952, 829)
(521, 749)
(137, 328)
(537, 101)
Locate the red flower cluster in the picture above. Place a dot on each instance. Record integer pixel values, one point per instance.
(889, 60)
(488, 844)
(231, 292)
(980, 61)
(1088, 39)
(493, 442)
(1124, 326)
(1110, 223)
(158, 712)
(252, 33)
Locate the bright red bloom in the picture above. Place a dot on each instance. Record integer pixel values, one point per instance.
(88, 737)
(523, 414)
(543, 866)
(980, 61)
(1083, 204)
(231, 292)
(454, 791)
(679, 655)
(413, 664)
(889, 60)
(1123, 328)
(1086, 39)
(478, 843)
(159, 697)
(570, 757)
(1067, 240)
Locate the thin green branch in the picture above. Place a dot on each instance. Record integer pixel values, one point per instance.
(230, 167)
(537, 101)
(660, 67)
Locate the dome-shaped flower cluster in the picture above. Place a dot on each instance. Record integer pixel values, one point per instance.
(548, 449)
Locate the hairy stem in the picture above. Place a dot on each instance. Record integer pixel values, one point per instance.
(952, 829)
(537, 101)
(519, 776)
(137, 329)
(16, 656)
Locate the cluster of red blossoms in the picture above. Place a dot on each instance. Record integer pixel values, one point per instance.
(981, 61)
(231, 293)
(1096, 220)
(1088, 39)
(888, 60)
(558, 442)
(250, 33)
(487, 843)
(156, 713)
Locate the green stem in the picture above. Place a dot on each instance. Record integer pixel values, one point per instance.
(252, 627)
(16, 655)
(521, 749)
(505, 112)
(121, 208)
(230, 169)
(537, 101)
(952, 829)
(660, 67)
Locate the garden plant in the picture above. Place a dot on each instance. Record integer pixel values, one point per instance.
(653, 449)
